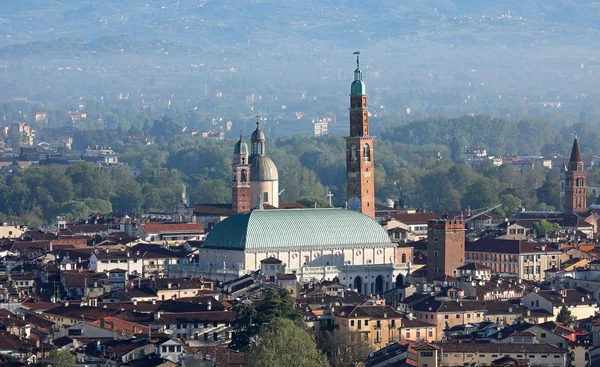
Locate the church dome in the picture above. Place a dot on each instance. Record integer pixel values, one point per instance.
(262, 169)
(258, 135)
(296, 228)
(240, 147)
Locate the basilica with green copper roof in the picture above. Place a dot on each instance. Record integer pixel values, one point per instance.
(315, 244)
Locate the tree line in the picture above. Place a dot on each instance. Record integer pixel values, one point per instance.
(406, 171)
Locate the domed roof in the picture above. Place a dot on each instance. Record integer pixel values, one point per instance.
(258, 135)
(240, 147)
(262, 169)
(296, 228)
(358, 88)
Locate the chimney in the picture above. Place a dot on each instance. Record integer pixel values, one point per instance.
(169, 285)
(107, 250)
(157, 315)
(37, 343)
(66, 303)
(209, 306)
(135, 302)
(154, 301)
(528, 312)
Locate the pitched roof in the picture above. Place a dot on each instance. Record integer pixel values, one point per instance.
(197, 317)
(415, 218)
(500, 348)
(373, 312)
(495, 245)
(448, 306)
(570, 296)
(557, 328)
(171, 227)
(474, 266)
(222, 210)
(77, 279)
(113, 323)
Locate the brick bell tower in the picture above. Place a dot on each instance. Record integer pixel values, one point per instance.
(360, 189)
(240, 195)
(575, 182)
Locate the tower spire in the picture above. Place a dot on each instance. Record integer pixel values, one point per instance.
(359, 150)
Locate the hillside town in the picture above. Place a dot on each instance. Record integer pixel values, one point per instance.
(374, 285)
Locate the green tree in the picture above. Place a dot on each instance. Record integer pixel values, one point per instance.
(509, 203)
(60, 358)
(244, 325)
(277, 304)
(284, 343)
(565, 317)
(342, 350)
(483, 193)
(543, 228)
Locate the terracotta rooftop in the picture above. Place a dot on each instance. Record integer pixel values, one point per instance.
(171, 227)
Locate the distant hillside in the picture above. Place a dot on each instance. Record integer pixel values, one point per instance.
(429, 57)
(217, 22)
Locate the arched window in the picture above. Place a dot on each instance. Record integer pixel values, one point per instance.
(243, 160)
(244, 176)
(403, 258)
(353, 154)
(367, 153)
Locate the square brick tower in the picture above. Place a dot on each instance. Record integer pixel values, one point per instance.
(360, 189)
(445, 247)
(240, 184)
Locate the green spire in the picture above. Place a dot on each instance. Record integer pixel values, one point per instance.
(358, 87)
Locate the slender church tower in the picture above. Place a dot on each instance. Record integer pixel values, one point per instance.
(360, 189)
(575, 182)
(240, 195)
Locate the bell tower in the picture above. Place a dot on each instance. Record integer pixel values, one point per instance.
(360, 189)
(575, 182)
(240, 186)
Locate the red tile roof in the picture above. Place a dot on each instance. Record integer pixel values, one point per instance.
(171, 227)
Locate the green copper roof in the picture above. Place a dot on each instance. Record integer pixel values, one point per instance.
(358, 88)
(296, 228)
(240, 147)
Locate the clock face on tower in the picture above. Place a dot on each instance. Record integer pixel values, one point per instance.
(354, 203)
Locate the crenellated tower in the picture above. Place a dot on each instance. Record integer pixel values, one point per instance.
(360, 189)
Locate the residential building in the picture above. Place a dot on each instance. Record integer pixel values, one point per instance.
(208, 327)
(446, 314)
(102, 261)
(581, 305)
(493, 354)
(379, 325)
(526, 260)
